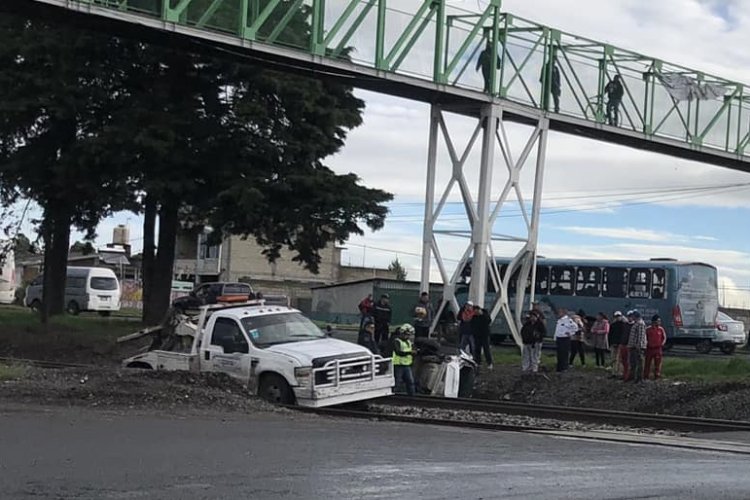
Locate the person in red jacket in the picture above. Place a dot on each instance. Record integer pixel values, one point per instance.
(656, 337)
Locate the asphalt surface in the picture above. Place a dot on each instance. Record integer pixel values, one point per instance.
(90, 454)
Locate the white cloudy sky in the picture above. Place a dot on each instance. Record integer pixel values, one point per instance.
(601, 201)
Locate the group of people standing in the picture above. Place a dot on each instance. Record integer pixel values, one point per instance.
(626, 338)
(474, 332)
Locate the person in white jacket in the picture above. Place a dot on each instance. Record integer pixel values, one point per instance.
(564, 330)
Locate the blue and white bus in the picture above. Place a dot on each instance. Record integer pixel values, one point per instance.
(684, 294)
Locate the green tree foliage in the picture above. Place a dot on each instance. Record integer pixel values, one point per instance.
(396, 267)
(82, 248)
(58, 89)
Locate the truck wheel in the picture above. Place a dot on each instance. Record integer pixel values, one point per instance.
(73, 308)
(704, 346)
(274, 389)
(728, 348)
(36, 306)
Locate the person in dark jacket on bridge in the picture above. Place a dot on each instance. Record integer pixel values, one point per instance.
(485, 63)
(614, 91)
(480, 328)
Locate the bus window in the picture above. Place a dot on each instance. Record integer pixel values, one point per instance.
(640, 283)
(614, 282)
(589, 281)
(658, 283)
(562, 280)
(542, 280)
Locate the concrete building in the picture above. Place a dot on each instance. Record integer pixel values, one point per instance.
(238, 259)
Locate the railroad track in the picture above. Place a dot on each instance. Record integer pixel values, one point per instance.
(591, 415)
(42, 363)
(682, 442)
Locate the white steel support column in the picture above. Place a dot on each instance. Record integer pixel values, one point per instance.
(480, 238)
(483, 214)
(429, 201)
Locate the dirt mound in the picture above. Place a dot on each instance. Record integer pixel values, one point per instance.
(596, 389)
(101, 387)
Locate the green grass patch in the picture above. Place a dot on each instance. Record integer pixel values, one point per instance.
(11, 372)
(64, 338)
(706, 369)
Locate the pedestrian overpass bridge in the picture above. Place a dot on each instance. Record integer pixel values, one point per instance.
(427, 50)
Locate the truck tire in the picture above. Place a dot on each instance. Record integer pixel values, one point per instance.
(274, 389)
(728, 348)
(36, 306)
(73, 308)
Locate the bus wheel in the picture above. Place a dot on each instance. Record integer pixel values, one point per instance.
(274, 389)
(73, 308)
(704, 346)
(727, 348)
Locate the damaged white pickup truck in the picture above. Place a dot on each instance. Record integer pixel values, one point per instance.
(280, 354)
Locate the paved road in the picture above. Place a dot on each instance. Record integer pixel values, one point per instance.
(89, 454)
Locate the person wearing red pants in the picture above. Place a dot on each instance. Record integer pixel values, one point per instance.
(656, 338)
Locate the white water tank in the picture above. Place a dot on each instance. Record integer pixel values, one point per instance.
(121, 235)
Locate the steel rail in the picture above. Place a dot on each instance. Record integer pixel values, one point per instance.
(591, 415)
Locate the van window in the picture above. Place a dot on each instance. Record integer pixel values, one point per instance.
(658, 283)
(542, 280)
(562, 280)
(588, 281)
(640, 283)
(614, 282)
(75, 282)
(103, 283)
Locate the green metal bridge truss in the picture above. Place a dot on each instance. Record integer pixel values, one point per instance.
(429, 40)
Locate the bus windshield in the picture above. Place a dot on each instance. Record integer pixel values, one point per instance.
(697, 295)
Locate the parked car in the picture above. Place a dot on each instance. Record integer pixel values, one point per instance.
(730, 333)
(212, 293)
(86, 289)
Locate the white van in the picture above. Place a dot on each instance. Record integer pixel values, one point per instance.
(8, 279)
(86, 289)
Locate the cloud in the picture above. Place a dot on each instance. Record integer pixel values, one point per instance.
(626, 233)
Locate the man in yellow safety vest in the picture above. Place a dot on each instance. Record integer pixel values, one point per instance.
(403, 357)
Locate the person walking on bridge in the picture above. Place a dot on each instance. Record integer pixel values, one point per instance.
(403, 358)
(484, 62)
(550, 80)
(615, 92)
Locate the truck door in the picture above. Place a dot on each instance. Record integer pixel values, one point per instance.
(227, 351)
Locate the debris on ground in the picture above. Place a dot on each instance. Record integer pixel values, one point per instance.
(595, 388)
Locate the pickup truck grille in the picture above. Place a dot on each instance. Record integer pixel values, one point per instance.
(342, 371)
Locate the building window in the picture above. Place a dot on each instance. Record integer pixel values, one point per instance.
(206, 251)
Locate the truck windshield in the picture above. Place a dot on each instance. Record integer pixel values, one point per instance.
(103, 284)
(265, 331)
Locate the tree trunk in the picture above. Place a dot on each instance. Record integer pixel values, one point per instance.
(161, 285)
(56, 245)
(149, 250)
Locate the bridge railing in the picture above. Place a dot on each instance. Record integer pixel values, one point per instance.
(491, 51)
